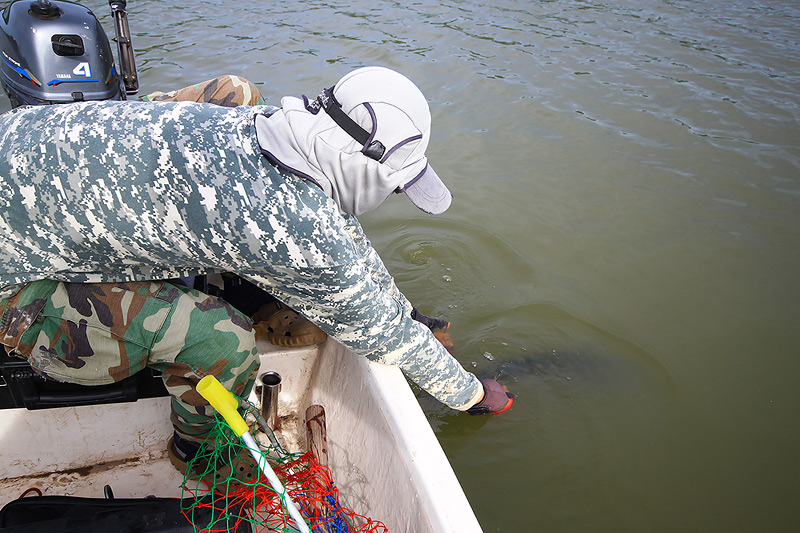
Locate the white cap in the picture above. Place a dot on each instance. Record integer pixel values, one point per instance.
(360, 141)
(399, 118)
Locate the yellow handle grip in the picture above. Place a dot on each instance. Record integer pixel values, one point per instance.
(224, 402)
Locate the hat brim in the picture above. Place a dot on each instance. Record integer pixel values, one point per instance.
(428, 192)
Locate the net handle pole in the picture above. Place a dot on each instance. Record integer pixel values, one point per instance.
(250, 442)
(226, 403)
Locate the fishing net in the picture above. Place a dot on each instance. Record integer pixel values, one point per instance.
(238, 502)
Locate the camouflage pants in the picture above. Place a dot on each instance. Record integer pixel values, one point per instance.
(100, 333)
(227, 91)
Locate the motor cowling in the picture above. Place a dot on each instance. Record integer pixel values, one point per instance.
(54, 52)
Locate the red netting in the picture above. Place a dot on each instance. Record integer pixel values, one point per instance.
(236, 505)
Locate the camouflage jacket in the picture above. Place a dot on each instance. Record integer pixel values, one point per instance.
(126, 191)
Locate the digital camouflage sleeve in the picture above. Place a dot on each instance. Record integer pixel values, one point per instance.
(125, 191)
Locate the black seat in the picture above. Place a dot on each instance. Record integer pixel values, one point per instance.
(21, 386)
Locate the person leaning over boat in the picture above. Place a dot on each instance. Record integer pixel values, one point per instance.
(286, 328)
(104, 201)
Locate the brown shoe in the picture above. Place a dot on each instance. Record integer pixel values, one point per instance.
(285, 327)
(244, 469)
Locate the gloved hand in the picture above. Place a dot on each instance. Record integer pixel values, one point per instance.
(437, 325)
(496, 399)
(429, 321)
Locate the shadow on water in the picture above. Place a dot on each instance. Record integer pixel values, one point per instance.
(542, 339)
(562, 370)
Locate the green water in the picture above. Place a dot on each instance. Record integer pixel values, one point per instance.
(622, 250)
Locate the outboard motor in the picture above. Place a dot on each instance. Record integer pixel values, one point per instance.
(55, 52)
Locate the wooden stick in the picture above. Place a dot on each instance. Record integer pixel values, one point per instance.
(317, 433)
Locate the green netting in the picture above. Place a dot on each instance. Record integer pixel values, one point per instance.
(240, 499)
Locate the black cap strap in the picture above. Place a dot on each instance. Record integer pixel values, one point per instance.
(333, 108)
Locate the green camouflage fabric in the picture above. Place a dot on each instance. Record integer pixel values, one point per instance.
(227, 91)
(100, 333)
(135, 191)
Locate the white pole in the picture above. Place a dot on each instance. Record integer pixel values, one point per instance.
(250, 442)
